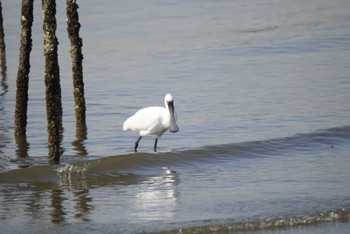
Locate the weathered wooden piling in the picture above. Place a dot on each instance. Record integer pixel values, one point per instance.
(52, 80)
(73, 27)
(2, 56)
(24, 68)
(2, 44)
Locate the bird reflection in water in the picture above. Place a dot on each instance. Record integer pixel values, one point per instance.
(157, 197)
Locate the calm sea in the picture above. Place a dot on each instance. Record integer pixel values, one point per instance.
(261, 91)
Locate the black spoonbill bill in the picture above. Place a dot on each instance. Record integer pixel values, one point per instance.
(153, 120)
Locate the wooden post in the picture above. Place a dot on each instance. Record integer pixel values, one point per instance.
(52, 80)
(2, 55)
(24, 68)
(76, 42)
(2, 44)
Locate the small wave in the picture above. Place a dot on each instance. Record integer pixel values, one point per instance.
(142, 162)
(326, 138)
(338, 215)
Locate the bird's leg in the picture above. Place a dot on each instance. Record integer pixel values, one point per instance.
(155, 145)
(137, 143)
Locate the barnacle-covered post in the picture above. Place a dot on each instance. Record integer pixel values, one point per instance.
(2, 45)
(24, 68)
(73, 27)
(2, 56)
(52, 80)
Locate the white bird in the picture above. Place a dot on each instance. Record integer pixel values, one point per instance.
(154, 120)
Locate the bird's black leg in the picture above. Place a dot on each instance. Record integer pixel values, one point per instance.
(155, 145)
(137, 143)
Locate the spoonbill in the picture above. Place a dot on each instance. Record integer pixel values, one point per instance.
(153, 120)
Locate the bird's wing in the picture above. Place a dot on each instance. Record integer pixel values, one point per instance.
(143, 120)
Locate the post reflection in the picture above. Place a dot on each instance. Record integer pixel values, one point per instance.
(82, 197)
(61, 205)
(34, 205)
(57, 213)
(22, 146)
(81, 136)
(3, 82)
(3, 66)
(44, 201)
(83, 205)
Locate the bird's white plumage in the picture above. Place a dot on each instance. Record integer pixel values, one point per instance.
(148, 121)
(154, 120)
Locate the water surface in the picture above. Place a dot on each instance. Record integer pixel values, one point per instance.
(261, 89)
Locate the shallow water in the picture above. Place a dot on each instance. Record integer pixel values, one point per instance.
(261, 91)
